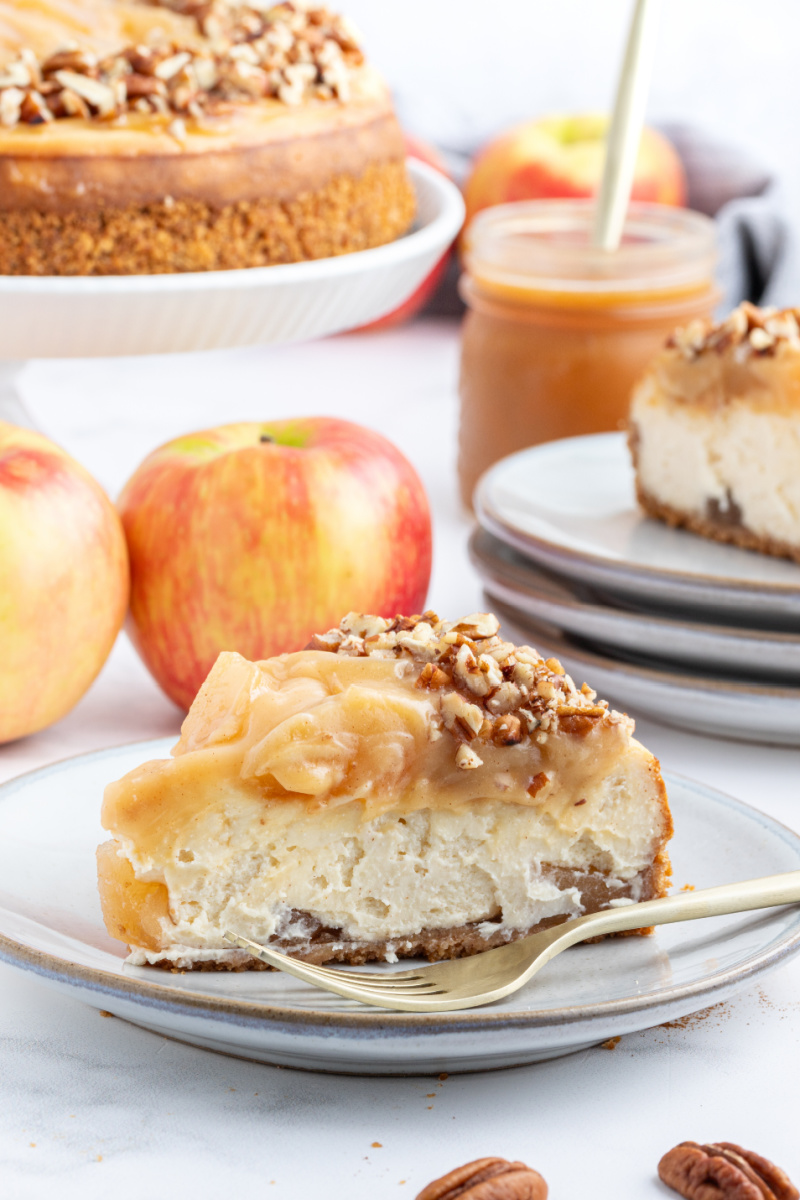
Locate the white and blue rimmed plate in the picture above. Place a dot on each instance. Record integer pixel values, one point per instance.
(577, 612)
(50, 924)
(570, 507)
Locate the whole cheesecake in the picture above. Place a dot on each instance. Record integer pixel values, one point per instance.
(181, 135)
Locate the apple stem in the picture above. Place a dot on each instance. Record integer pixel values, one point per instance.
(265, 437)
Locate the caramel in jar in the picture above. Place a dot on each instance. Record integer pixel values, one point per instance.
(557, 332)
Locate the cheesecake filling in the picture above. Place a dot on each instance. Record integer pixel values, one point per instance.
(496, 865)
(734, 465)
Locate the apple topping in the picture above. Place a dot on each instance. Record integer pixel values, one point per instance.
(485, 689)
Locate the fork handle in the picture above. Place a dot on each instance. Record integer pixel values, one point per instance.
(768, 892)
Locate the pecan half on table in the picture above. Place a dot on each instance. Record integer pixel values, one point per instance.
(488, 1179)
(724, 1171)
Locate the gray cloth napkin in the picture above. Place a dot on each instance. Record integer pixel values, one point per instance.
(726, 183)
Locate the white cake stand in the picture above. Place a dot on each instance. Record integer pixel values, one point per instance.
(101, 316)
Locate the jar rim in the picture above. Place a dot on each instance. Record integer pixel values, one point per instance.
(546, 245)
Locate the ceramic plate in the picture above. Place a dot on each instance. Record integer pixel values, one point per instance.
(579, 612)
(700, 703)
(571, 507)
(87, 316)
(50, 924)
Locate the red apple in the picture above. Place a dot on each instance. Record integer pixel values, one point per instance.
(64, 571)
(563, 156)
(415, 148)
(252, 537)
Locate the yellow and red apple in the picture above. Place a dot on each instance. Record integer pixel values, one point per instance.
(563, 156)
(64, 571)
(254, 536)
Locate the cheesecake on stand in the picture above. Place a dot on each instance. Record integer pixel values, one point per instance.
(180, 135)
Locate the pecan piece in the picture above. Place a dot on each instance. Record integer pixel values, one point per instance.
(537, 783)
(773, 1176)
(488, 1179)
(578, 723)
(723, 1171)
(467, 759)
(69, 60)
(507, 731)
(478, 625)
(321, 643)
(143, 85)
(34, 110)
(66, 103)
(433, 677)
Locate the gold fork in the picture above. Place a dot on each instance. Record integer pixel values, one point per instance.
(482, 978)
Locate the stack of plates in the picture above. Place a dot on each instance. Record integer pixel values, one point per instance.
(692, 632)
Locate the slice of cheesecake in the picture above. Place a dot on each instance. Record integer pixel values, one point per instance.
(405, 787)
(715, 431)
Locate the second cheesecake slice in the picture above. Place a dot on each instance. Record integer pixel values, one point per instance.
(715, 431)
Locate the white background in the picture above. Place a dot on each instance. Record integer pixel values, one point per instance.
(464, 69)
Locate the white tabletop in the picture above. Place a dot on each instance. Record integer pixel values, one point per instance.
(95, 1107)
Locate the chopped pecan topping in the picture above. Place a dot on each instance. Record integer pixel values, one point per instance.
(467, 759)
(477, 625)
(537, 783)
(748, 331)
(432, 677)
(488, 1179)
(578, 723)
(33, 110)
(323, 643)
(723, 1171)
(459, 713)
(249, 51)
(507, 731)
(487, 690)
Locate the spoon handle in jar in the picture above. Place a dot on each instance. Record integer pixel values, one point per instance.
(625, 130)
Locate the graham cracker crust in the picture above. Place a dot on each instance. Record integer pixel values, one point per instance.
(718, 528)
(347, 214)
(325, 945)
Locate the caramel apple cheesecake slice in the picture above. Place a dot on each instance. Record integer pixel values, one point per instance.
(155, 136)
(715, 431)
(405, 787)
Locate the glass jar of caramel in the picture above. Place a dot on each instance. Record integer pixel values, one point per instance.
(558, 332)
